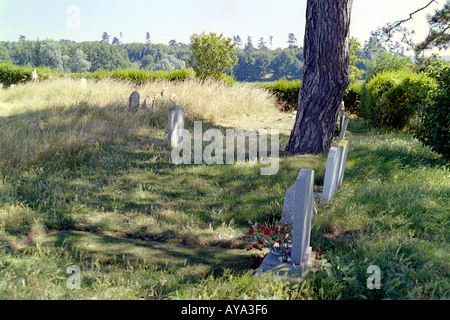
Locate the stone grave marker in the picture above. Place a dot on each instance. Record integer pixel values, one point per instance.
(343, 145)
(84, 82)
(343, 129)
(331, 173)
(289, 203)
(175, 127)
(34, 75)
(302, 206)
(148, 103)
(134, 102)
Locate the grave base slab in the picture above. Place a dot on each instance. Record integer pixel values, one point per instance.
(294, 272)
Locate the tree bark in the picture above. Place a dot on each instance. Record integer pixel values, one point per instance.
(325, 75)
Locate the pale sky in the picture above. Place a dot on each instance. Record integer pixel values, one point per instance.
(86, 20)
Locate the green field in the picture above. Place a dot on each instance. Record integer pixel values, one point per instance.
(85, 183)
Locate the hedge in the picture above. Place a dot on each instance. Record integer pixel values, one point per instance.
(391, 98)
(12, 74)
(139, 76)
(286, 91)
(434, 124)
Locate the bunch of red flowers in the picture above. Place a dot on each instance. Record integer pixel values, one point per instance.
(276, 237)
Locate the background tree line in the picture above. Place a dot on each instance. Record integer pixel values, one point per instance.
(255, 62)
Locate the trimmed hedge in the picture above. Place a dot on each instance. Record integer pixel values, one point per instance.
(286, 91)
(12, 74)
(139, 76)
(434, 124)
(391, 98)
(352, 99)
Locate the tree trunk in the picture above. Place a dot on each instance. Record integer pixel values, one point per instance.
(325, 75)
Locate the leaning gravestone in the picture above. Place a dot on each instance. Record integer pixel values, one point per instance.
(331, 173)
(302, 256)
(133, 102)
(175, 127)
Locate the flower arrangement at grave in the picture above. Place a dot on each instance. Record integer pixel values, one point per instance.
(276, 237)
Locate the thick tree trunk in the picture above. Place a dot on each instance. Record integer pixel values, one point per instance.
(325, 75)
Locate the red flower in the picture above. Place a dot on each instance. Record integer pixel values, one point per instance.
(256, 247)
(267, 232)
(261, 228)
(251, 231)
(260, 242)
(244, 238)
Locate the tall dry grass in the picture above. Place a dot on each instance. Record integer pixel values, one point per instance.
(62, 117)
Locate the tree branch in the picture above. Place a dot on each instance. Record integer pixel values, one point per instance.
(388, 30)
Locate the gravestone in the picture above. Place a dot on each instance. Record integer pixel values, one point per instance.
(148, 103)
(303, 209)
(289, 203)
(331, 173)
(133, 102)
(343, 145)
(34, 75)
(84, 82)
(175, 127)
(302, 257)
(343, 129)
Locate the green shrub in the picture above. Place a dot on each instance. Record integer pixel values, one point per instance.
(391, 98)
(286, 91)
(352, 99)
(139, 76)
(434, 126)
(12, 74)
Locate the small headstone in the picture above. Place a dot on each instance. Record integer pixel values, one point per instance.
(34, 75)
(289, 204)
(331, 173)
(343, 129)
(302, 256)
(84, 82)
(343, 145)
(148, 103)
(301, 227)
(133, 102)
(175, 127)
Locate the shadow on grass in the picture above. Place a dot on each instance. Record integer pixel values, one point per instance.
(132, 177)
(171, 256)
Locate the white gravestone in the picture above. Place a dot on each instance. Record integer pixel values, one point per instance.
(133, 102)
(175, 127)
(84, 82)
(289, 203)
(34, 75)
(331, 173)
(343, 129)
(302, 256)
(147, 104)
(303, 210)
(343, 145)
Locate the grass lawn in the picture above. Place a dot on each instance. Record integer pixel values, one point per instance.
(84, 183)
